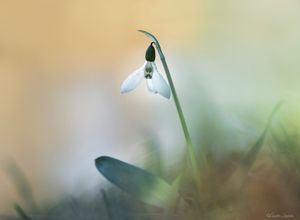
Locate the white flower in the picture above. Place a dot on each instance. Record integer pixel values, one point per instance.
(155, 81)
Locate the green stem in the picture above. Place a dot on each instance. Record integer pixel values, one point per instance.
(190, 148)
(187, 136)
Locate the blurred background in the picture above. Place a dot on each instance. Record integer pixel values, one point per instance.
(62, 64)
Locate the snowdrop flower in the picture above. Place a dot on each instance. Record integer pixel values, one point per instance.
(155, 81)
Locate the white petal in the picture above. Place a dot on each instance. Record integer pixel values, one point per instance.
(133, 80)
(150, 86)
(159, 84)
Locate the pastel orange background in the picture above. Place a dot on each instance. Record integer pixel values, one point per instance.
(62, 63)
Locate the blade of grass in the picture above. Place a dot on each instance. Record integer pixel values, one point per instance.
(190, 149)
(21, 183)
(250, 157)
(21, 212)
(238, 177)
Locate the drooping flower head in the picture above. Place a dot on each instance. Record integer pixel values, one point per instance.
(155, 81)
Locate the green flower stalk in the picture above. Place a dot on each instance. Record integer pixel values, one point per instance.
(190, 148)
(157, 85)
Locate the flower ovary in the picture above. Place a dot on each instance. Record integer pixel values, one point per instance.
(150, 53)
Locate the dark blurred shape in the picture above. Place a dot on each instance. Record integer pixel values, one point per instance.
(21, 212)
(21, 183)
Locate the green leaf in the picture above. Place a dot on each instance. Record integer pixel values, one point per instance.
(141, 184)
